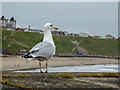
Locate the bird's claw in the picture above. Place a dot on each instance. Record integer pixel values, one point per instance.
(41, 72)
(46, 72)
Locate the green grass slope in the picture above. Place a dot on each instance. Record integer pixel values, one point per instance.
(26, 40)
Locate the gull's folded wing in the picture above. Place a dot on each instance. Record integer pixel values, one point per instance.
(40, 46)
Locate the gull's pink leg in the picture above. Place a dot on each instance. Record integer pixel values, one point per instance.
(40, 67)
(46, 67)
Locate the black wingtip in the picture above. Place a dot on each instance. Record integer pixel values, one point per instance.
(27, 56)
(22, 56)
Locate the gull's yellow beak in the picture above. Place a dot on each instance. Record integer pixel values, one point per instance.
(55, 28)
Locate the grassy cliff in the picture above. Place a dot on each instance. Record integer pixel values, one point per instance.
(26, 40)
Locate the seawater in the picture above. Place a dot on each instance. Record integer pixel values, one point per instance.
(81, 68)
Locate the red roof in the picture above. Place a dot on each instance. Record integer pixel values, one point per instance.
(110, 36)
(19, 28)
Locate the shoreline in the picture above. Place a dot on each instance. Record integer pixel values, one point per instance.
(17, 63)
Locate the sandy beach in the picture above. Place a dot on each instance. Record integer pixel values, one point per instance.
(49, 80)
(13, 63)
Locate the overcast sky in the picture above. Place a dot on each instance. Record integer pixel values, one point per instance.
(94, 18)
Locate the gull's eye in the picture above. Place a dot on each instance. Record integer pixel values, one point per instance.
(51, 25)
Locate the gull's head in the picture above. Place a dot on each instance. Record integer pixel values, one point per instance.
(49, 26)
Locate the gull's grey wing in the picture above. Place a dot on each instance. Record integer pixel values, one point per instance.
(43, 49)
(36, 47)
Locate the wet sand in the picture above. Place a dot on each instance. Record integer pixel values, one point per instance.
(13, 63)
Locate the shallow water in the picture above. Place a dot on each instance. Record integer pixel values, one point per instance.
(82, 68)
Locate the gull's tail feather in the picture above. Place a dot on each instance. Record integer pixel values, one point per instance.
(32, 57)
(28, 56)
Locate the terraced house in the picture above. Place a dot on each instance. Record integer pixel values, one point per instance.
(7, 24)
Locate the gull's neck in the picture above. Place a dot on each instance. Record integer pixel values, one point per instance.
(48, 36)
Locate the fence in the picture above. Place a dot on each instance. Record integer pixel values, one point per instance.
(87, 55)
(64, 54)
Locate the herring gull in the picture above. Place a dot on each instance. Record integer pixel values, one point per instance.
(45, 49)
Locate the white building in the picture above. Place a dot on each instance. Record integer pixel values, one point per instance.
(6, 23)
(83, 35)
(26, 30)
